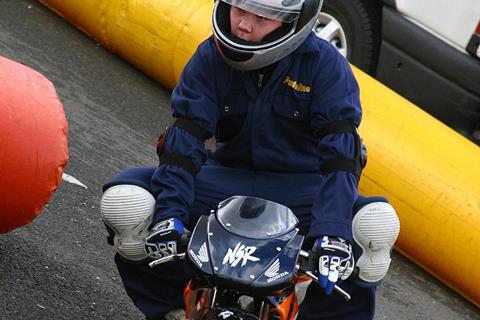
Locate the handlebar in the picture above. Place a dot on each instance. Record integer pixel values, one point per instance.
(303, 254)
(175, 257)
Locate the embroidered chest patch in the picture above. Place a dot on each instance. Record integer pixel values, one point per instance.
(295, 85)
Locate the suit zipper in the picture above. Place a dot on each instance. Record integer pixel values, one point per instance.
(260, 80)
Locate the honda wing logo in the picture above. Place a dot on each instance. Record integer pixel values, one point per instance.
(202, 255)
(272, 272)
(241, 253)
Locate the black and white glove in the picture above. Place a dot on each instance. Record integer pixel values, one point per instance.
(335, 261)
(164, 238)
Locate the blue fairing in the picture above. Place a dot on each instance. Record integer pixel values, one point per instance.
(248, 265)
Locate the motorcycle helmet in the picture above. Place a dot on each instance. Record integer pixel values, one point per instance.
(298, 18)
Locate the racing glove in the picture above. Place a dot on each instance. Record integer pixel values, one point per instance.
(335, 261)
(164, 238)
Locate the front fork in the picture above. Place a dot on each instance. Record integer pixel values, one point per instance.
(198, 303)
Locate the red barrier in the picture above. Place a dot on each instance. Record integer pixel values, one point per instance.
(33, 143)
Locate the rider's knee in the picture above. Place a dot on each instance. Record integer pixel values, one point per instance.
(127, 212)
(375, 228)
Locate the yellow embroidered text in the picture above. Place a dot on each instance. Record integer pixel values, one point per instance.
(295, 85)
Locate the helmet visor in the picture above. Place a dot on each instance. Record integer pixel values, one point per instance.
(267, 10)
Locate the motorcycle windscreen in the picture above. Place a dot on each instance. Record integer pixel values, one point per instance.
(255, 218)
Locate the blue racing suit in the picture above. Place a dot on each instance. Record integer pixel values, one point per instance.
(266, 125)
(276, 138)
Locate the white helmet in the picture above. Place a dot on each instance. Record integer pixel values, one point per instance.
(298, 17)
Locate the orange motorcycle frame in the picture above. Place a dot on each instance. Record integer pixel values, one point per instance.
(198, 302)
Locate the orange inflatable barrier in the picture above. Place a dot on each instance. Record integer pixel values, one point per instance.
(33, 143)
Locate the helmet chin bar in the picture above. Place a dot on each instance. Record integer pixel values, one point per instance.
(232, 55)
(253, 60)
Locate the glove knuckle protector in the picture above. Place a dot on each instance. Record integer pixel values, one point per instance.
(336, 259)
(163, 239)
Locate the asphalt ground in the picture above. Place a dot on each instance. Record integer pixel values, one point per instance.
(59, 266)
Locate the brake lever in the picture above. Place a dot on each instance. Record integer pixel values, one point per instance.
(337, 289)
(175, 257)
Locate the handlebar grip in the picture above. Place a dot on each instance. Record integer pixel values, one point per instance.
(310, 264)
(185, 238)
(337, 289)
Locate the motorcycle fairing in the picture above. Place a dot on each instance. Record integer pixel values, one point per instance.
(256, 266)
(198, 253)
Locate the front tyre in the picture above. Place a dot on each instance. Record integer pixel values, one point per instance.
(353, 27)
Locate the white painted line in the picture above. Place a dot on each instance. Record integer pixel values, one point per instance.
(68, 178)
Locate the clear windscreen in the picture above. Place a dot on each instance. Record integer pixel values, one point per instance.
(268, 9)
(255, 218)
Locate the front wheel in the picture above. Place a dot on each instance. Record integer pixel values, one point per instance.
(353, 27)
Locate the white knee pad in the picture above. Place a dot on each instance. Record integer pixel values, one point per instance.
(128, 211)
(375, 229)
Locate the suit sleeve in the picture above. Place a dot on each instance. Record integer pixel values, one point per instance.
(335, 99)
(193, 100)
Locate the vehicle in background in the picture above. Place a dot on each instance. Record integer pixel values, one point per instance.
(428, 51)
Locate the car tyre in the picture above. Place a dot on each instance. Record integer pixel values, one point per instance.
(360, 23)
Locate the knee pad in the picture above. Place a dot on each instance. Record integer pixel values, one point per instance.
(128, 211)
(375, 228)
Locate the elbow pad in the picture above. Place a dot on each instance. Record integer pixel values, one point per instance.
(355, 165)
(176, 159)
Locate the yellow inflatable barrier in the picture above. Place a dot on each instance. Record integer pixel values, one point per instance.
(430, 173)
